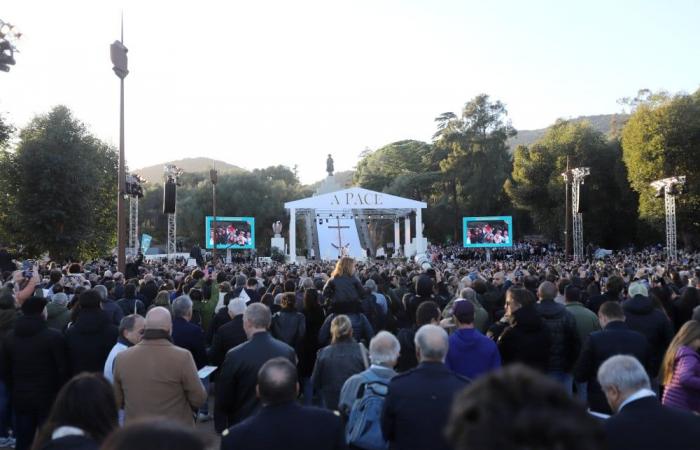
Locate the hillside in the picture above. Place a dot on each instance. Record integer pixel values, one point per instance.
(154, 174)
(601, 122)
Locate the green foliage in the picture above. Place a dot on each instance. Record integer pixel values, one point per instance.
(59, 185)
(536, 184)
(662, 139)
(379, 169)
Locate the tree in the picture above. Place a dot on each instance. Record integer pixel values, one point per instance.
(536, 184)
(472, 154)
(662, 139)
(379, 169)
(60, 188)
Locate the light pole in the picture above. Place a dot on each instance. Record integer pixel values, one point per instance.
(669, 189)
(120, 61)
(214, 176)
(574, 179)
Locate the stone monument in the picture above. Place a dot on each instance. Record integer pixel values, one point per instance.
(277, 241)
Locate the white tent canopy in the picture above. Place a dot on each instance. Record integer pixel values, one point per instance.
(356, 198)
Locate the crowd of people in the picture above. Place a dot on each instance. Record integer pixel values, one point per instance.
(445, 352)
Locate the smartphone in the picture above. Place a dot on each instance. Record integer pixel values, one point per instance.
(28, 268)
(210, 270)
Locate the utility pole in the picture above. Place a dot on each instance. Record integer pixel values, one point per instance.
(120, 61)
(567, 213)
(214, 176)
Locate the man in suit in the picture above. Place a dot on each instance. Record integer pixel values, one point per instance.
(614, 339)
(640, 421)
(417, 405)
(186, 334)
(157, 378)
(235, 384)
(281, 422)
(229, 335)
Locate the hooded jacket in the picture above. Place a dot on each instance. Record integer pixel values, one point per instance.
(641, 316)
(424, 293)
(89, 341)
(58, 316)
(471, 353)
(526, 340)
(565, 344)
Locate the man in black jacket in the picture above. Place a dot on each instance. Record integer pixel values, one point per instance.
(614, 339)
(613, 290)
(235, 384)
(641, 316)
(282, 422)
(188, 335)
(640, 421)
(564, 340)
(91, 337)
(35, 367)
(418, 403)
(130, 304)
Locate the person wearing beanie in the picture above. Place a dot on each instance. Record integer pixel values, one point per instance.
(470, 353)
(58, 314)
(91, 337)
(35, 366)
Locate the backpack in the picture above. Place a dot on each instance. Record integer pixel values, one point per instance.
(363, 429)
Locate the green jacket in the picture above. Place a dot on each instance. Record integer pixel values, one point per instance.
(208, 305)
(586, 320)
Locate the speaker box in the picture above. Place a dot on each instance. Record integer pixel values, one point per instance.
(169, 198)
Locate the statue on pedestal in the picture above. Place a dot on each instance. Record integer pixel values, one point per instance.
(277, 229)
(329, 165)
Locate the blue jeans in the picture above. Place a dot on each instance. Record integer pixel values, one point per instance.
(5, 410)
(566, 379)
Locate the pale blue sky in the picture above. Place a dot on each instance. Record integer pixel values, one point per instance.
(286, 82)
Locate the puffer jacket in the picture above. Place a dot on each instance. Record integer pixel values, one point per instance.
(683, 392)
(641, 316)
(565, 344)
(343, 289)
(289, 327)
(334, 365)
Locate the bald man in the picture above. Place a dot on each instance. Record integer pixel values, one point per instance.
(156, 378)
(418, 403)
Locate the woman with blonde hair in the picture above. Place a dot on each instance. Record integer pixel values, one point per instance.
(162, 299)
(680, 370)
(343, 286)
(338, 362)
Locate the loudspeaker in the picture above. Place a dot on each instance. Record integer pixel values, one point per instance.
(169, 198)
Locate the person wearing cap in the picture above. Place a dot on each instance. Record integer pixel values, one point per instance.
(470, 353)
(157, 378)
(35, 366)
(643, 317)
(58, 313)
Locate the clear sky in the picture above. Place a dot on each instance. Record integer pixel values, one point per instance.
(257, 83)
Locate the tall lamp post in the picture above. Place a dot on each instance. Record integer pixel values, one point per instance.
(669, 189)
(214, 176)
(119, 59)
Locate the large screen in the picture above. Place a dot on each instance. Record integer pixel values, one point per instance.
(230, 232)
(488, 232)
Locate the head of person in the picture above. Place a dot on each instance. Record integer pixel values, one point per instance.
(131, 328)
(572, 294)
(431, 344)
(102, 291)
(562, 285)
(468, 294)
(528, 410)
(371, 286)
(55, 276)
(59, 299)
(427, 313)
(345, 266)
(162, 299)
(182, 308)
(158, 319)
(516, 298)
(687, 336)
(7, 300)
(620, 376)
(195, 295)
(130, 291)
(251, 283)
(614, 286)
(289, 301)
(311, 299)
(156, 434)
(463, 313)
(267, 299)
(86, 402)
(499, 279)
(256, 319)
(547, 291)
(277, 382)
(341, 329)
(236, 307)
(384, 349)
(610, 312)
(638, 288)
(34, 307)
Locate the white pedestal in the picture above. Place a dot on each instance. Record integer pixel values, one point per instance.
(278, 243)
(409, 250)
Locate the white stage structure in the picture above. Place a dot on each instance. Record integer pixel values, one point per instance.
(335, 214)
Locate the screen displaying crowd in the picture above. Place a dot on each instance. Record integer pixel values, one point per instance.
(490, 232)
(231, 233)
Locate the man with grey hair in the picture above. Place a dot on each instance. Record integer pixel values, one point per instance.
(109, 306)
(379, 298)
(564, 338)
(642, 317)
(130, 333)
(417, 405)
(229, 335)
(640, 421)
(186, 334)
(384, 351)
(235, 384)
(58, 315)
